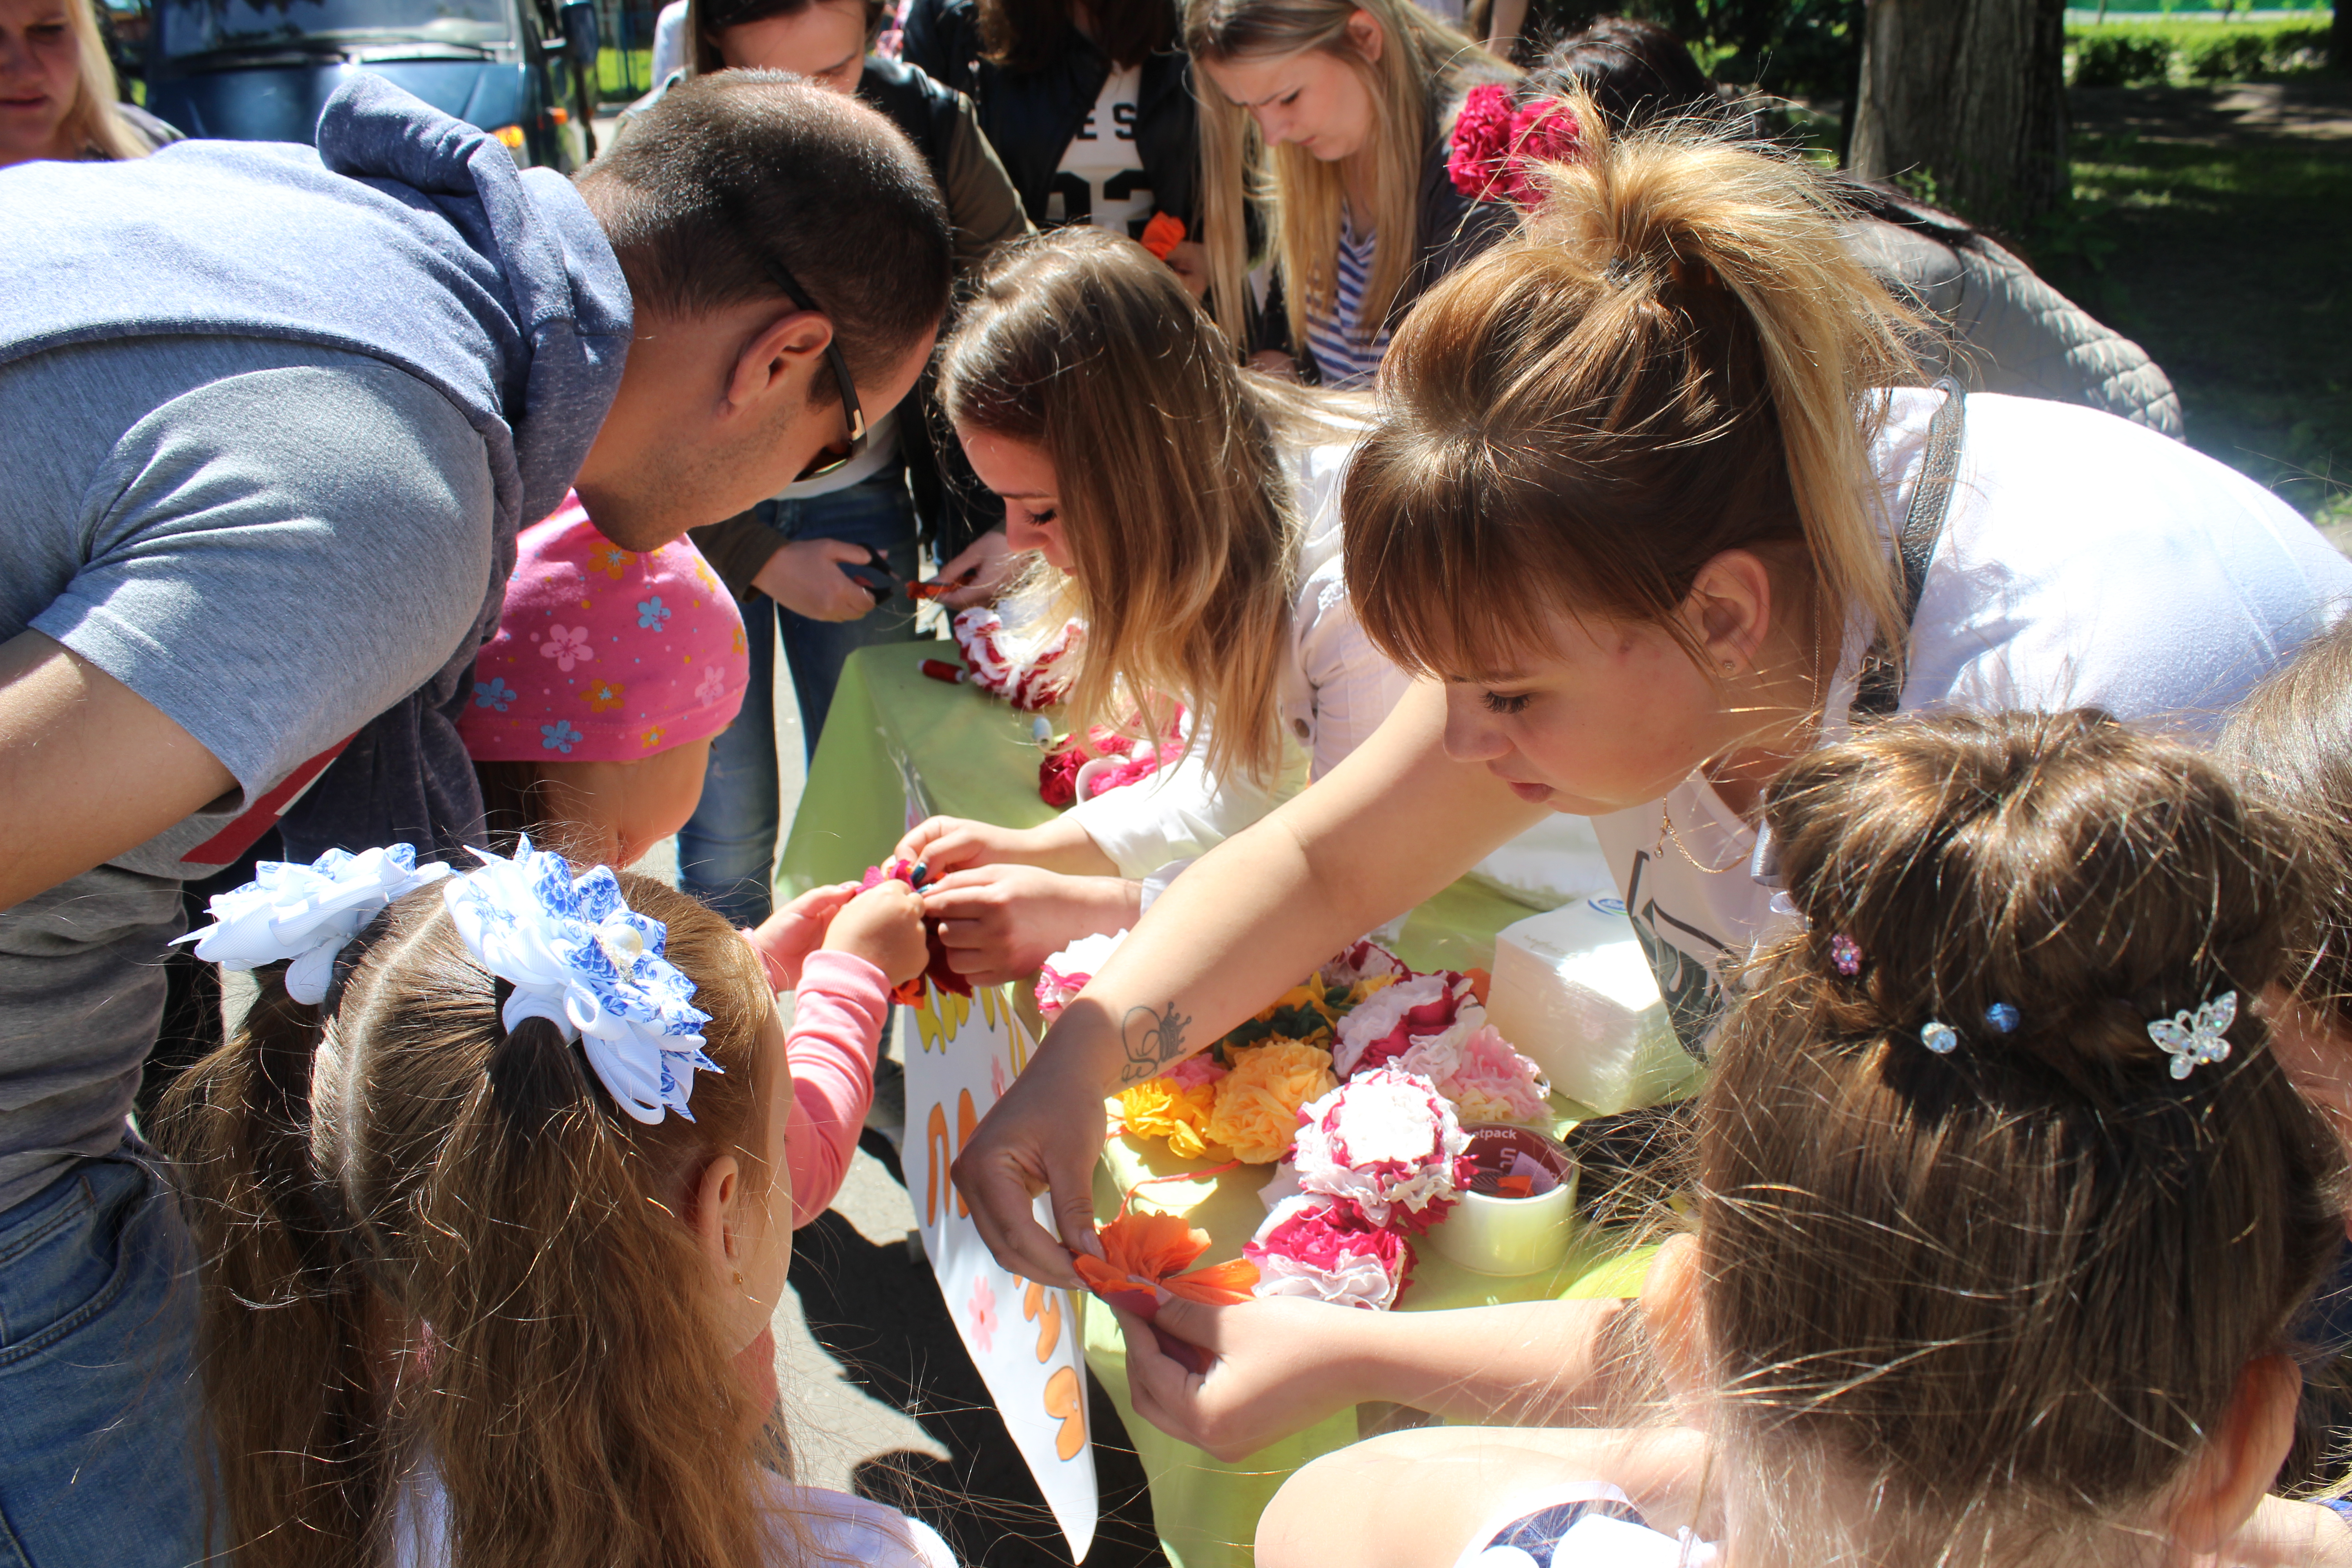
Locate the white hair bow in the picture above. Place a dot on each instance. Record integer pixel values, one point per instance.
(306, 913)
(578, 956)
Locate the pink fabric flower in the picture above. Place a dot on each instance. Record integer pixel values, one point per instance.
(567, 645)
(1497, 150)
(1195, 1072)
(1481, 1074)
(1324, 1250)
(1388, 1142)
(1061, 977)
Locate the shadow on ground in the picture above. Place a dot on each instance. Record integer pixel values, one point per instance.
(2214, 225)
(876, 1309)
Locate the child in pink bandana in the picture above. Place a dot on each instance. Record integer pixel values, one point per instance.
(591, 723)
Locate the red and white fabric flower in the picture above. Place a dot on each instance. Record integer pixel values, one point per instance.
(1418, 1011)
(1325, 1250)
(1023, 672)
(1389, 1143)
(1061, 977)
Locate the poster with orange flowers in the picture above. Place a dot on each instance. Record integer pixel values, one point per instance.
(961, 1052)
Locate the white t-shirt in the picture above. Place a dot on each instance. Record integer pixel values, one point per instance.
(2085, 562)
(840, 1530)
(1100, 178)
(669, 40)
(1334, 689)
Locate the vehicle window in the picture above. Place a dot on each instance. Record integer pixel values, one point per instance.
(193, 26)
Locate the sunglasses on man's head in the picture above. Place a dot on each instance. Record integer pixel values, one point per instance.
(826, 460)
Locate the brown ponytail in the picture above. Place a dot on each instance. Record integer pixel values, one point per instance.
(1676, 358)
(453, 1248)
(2009, 1291)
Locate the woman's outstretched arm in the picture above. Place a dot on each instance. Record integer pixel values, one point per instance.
(1392, 824)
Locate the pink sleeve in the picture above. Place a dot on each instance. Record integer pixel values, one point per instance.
(836, 1029)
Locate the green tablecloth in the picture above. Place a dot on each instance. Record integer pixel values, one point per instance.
(897, 744)
(894, 736)
(1205, 1510)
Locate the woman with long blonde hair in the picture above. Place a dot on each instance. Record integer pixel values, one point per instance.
(1187, 510)
(57, 93)
(1333, 117)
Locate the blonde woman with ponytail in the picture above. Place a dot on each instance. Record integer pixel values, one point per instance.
(1631, 505)
(58, 92)
(1333, 117)
(1187, 510)
(481, 1292)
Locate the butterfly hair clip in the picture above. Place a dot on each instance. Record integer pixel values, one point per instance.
(2192, 1040)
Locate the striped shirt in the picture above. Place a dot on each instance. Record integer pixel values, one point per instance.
(1346, 360)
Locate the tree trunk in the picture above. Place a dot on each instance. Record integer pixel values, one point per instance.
(1971, 96)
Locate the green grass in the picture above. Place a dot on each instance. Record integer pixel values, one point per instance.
(2227, 259)
(2123, 52)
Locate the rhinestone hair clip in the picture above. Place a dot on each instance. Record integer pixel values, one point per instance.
(2192, 1040)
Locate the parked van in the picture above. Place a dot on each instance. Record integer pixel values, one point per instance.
(259, 70)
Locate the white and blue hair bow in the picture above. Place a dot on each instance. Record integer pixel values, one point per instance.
(308, 914)
(578, 956)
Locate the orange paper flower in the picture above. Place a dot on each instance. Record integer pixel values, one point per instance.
(1142, 1255)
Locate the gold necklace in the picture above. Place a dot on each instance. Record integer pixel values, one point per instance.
(1666, 835)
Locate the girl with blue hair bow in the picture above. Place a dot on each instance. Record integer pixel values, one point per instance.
(496, 1201)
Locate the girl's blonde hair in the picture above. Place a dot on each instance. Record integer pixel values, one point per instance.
(93, 121)
(2007, 1293)
(429, 1237)
(1423, 61)
(1175, 501)
(1676, 357)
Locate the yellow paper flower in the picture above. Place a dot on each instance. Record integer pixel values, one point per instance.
(1162, 1108)
(1256, 1113)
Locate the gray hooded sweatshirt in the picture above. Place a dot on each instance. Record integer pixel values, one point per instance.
(270, 420)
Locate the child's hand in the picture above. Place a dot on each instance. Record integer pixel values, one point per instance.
(884, 926)
(786, 938)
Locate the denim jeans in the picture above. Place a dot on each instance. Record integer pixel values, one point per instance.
(102, 1456)
(726, 850)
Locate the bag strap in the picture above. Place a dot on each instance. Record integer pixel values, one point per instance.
(1881, 686)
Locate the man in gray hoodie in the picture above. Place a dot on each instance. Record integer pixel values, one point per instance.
(271, 419)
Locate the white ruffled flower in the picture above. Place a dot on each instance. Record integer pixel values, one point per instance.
(308, 914)
(1061, 977)
(1386, 1140)
(1378, 1017)
(578, 956)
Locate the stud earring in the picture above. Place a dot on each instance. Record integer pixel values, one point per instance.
(1730, 664)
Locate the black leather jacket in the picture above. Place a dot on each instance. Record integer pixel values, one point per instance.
(1031, 116)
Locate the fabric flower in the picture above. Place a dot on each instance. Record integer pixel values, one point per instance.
(1324, 1250)
(1365, 960)
(1257, 1104)
(567, 645)
(1394, 1019)
(306, 913)
(1389, 1143)
(494, 694)
(1482, 1075)
(559, 736)
(1024, 673)
(578, 956)
(651, 614)
(1061, 977)
(1162, 1108)
(1194, 1071)
(1142, 1265)
(604, 695)
(936, 972)
(1499, 150)
(1057, 775)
